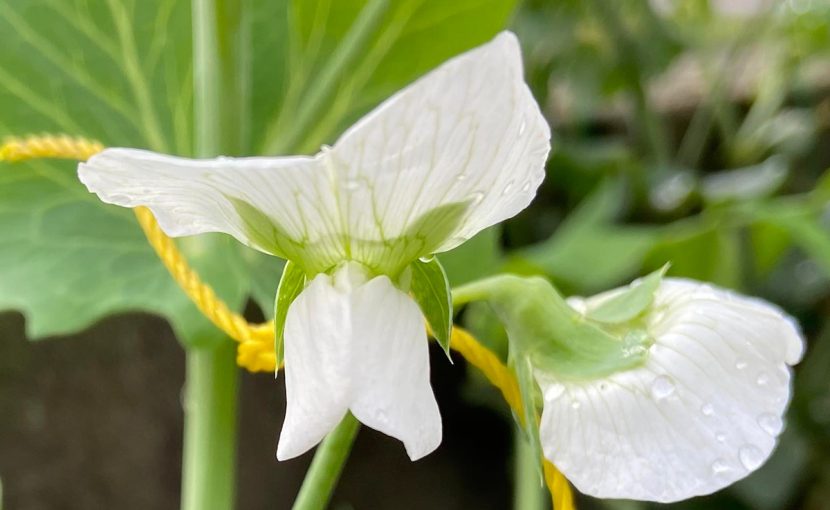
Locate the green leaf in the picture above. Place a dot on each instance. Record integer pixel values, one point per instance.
(347, 55)
(291, 285)
(588, 251)
(431, 290)
(632, 302)
(121, 73)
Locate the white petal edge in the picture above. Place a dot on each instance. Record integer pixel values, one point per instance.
(469, 132)
(360, 346)
(192, 196)
(703, 412)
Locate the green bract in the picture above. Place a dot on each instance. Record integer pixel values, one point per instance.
(555, 337)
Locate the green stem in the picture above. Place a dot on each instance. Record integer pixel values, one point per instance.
(327, 465)
(209, 458)
(219, 82)
(529, 493)
(221, 41)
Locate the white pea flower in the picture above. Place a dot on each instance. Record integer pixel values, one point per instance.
(702, 411)
(458, 150)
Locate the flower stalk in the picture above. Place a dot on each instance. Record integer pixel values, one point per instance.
(327, 465)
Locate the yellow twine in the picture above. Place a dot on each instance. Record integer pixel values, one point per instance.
(256, 341)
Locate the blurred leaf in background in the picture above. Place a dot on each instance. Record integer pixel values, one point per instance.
(122, 73)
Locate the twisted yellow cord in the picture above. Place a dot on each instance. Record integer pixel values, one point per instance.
(256, 341)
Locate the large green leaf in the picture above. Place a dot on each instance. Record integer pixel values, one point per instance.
(347, 55)
(121, 73)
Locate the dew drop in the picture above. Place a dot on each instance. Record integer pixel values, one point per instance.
(461, 177)
(720, 466)
(477, 197)
(721, 437)
(740, 364)
(352, 184)
(762, 379)
(381, 416)
(522, 127)
(751, 457)
(507, 188)
(707, 409)
(771, 424)
(526, 186)
(553, 392)
(576, 404)
(662, 387)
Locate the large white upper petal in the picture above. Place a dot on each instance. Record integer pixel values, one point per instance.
(458, 150)
(469, 132)
(360, 346)
(704, 411)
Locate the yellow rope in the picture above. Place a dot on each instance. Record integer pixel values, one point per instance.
(256, 341)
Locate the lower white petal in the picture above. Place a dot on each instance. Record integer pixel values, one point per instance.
(392, 392)
(317, 371)
(704, 411)
(353, 344)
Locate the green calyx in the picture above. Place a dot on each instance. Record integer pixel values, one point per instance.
(557, 339)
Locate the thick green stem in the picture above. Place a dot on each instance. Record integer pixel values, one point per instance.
(327, 465)
(221, 41)
(209, 459)
(210, 402)
(528, 491)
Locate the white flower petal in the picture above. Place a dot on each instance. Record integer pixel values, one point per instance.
(704, 411)
(317, 366)
(282, 206)
(353, 344)
(461, 149)
(392, 392)
(468, 133)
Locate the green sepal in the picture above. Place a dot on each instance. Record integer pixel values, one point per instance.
(541, 326)
(291, 284)
(530, 417)
(431, 289)
(631, 302)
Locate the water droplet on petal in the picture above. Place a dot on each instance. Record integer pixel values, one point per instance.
(720, 466)
(721, 437)
(707, 409)
(740, 364)
(507, 188)
(553, 392)
(763, 379)
(751, 457)
(461, 177)
(352, 184)
(477, 197)
(526, 186)
(771, 424)
(522, 127)
(576, 404)
(662, 387)
(382, 418)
